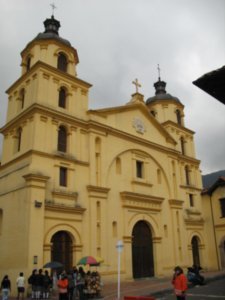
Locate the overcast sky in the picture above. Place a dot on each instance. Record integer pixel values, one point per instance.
(120, 40)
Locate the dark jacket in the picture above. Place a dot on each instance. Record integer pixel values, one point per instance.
(6, 284)
(32, 279)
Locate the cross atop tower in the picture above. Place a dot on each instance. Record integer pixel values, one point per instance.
(53, 8)
(137, 84)
(158, 68)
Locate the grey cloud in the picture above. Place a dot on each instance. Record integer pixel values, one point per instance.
(118, 41)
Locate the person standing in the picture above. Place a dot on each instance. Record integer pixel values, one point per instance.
(32, 280)
(63, 287)
(20, 282)
(5, 287)
(75, 291)
(40, 284)
(179, 282)
(47, 283)
(81, 283)
(71, 285)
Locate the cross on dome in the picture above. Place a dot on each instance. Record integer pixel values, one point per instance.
(137, 84)
(158, 68)
(53, 8)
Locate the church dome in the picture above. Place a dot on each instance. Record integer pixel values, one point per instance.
(160, 93)
(51, 32)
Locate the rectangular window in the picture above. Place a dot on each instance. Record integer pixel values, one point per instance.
(139, 169)
(63, 176)
(222, 207)
(191, 200)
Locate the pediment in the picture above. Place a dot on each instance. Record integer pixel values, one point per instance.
(134, 119)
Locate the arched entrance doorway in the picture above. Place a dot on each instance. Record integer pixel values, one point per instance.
(62, 249)
(142, 251)
(195, 250)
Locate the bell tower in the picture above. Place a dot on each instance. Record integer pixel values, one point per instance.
(46, 106)
(47, 89)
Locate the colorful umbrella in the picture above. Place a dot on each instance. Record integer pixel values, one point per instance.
(99, 259)
(88, 260)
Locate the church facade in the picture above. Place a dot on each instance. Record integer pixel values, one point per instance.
(74, 181)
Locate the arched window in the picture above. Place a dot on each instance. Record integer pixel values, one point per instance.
(19, 136)
(178, 114)
(182, 144)
(153, 112)
(62, 139)
(195, 251)
(62, 97)
(28, 63)
(62, 62)
(187, 175)
(21, 97)
(98, 160)
(139, 169)
(63, 174)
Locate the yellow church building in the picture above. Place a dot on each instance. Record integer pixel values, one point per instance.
(75, 181)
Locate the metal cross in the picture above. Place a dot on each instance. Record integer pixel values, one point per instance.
(137, 84)
(158, 70)
(53, 8)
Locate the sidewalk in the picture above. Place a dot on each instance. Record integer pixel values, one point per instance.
(147, 287)
(143, 287)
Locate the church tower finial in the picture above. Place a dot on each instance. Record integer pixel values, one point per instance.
(52, 25)
(160, 86)
(53, 8)
(158, 68)
(137, 84)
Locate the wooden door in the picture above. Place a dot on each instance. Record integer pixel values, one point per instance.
(62, 249)
(142, 251)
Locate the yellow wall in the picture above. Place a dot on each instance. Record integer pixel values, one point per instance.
(104, 198)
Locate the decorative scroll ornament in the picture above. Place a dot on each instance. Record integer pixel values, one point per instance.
(138, 124)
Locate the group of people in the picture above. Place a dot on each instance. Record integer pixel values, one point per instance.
(79, 285)
(41, 283)
(180, 280)
(72, 285)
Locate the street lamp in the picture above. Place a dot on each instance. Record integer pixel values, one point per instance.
(119, 247)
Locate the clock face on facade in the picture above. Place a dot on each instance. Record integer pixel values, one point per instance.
(138, 124)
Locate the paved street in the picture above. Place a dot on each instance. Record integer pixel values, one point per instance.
(213, 290)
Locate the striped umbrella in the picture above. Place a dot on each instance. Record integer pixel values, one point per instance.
(88, 260)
